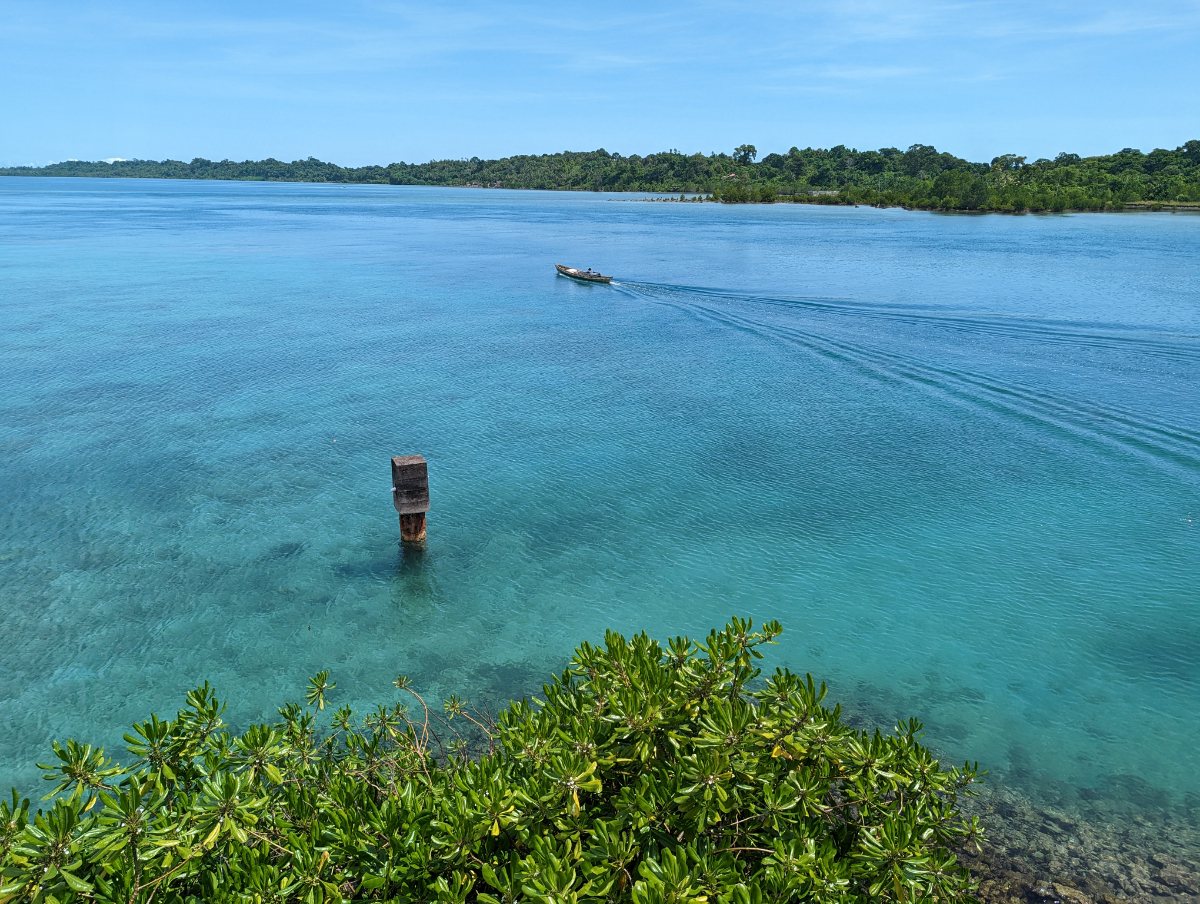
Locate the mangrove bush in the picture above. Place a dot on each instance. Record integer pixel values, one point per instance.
(646, 773)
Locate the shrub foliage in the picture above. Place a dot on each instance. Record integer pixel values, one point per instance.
(648, 774)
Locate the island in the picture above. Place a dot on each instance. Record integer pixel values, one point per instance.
(919, 177)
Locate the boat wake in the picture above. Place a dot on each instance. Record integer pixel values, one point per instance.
(938, 352)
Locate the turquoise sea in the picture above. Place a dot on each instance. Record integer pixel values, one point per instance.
(957, 456)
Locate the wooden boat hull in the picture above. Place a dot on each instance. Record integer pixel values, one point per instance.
(581, 275)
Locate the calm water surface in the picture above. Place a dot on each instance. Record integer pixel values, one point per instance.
(958, 457)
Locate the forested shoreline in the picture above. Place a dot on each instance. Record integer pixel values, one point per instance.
(919, 177)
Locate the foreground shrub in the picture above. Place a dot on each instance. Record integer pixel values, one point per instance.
(647, 774)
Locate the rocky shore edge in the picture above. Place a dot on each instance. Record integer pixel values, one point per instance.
(1106, 855)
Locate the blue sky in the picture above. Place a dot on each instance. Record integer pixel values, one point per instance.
(377, 82)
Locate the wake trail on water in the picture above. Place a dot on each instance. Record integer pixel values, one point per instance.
(1098, 424)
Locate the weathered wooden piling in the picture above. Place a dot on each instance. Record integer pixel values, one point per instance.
(410, 495)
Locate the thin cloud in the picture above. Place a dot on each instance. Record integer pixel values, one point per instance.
(874, 73)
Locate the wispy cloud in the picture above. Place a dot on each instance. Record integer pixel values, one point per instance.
(399, 73)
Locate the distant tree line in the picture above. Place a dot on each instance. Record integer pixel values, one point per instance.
(920, 176)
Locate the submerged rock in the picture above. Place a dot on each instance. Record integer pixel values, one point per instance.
(1039, 856)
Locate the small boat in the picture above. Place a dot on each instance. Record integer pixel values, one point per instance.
(587, 275)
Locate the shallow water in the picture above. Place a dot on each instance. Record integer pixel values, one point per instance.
(958, 457)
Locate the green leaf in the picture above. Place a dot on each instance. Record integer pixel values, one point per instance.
(75, 882)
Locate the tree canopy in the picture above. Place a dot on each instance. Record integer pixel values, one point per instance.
(920, 176)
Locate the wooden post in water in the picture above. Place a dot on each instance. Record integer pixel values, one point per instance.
(410, 494)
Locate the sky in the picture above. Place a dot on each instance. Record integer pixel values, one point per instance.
(380, 82)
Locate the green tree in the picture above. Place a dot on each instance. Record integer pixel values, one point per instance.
(745, 153)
